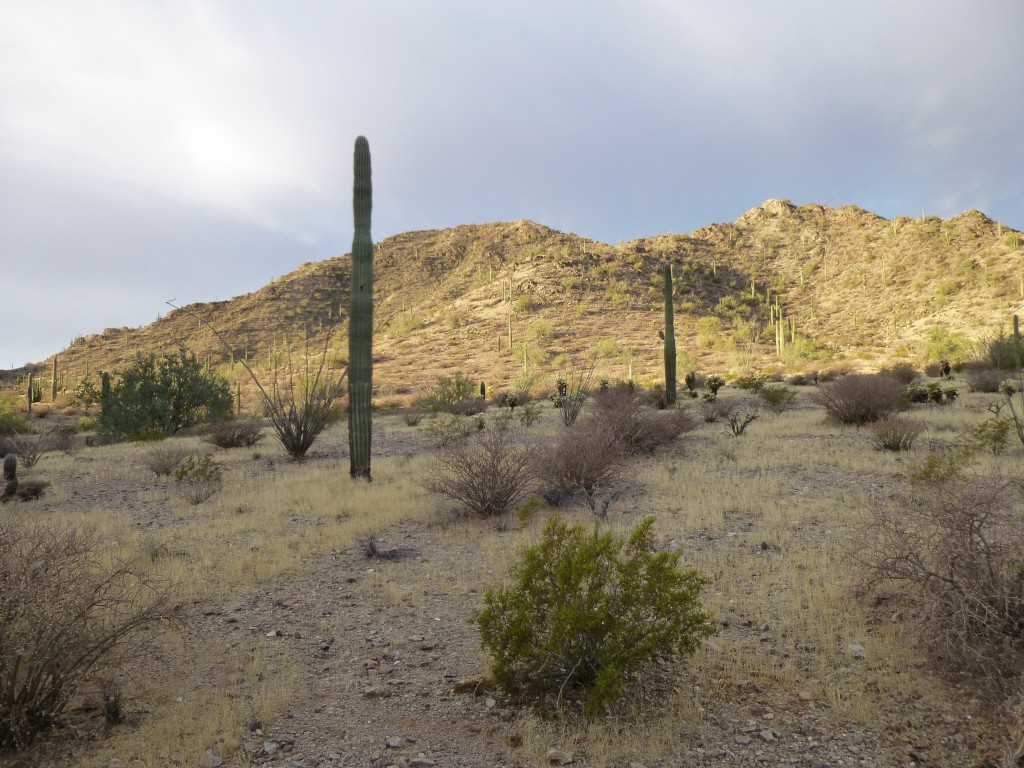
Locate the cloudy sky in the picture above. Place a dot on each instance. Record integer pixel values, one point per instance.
(196, 149)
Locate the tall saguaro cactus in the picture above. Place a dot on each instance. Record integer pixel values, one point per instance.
(670, 339)
(360, 329)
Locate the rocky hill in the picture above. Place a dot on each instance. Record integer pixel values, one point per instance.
(498, 301)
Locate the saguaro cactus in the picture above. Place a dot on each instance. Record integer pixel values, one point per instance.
(670, 339)
(28, 395)
(53, 381)
(360, 329)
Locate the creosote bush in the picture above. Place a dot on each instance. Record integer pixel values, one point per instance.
(164, 459)
(777, 399)
(585, 610)
(198, 478)
(66, 610)
(860, 398)
(486, 474)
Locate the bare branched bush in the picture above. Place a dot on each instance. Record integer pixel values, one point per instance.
(953, 545)
(237, 433)
(638, 427)
(29, 447)
(739, 414)
(163, 460)
(984, 379)
(66, 610)
(894, 433)
(586, 459)
(860, 398)
(487, 474)
(711, 410)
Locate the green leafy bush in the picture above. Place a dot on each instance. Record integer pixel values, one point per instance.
(777, 399)
(449, 392)
(584, 610)
(198, 478)
(164, 394)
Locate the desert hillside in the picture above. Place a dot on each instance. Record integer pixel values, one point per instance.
(849, 284)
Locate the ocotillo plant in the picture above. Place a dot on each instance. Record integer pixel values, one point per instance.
(360, 329)
(670, 339)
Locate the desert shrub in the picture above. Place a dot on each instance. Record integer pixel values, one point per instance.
(984, 379)
(412, 416)
(802, 379)
(585, 610)
(638, 427)
(894, 433)
(529, 413)
(572, 393)
(469, 407)
(1002, 351)
(991, 436)
(942, 344)
(739, 414)
(752, 382)
(932, 392)
(450, 391)
(833, 374)
(902, 372)
(713, 383)
(85, 424)
(164, 459)
(238, 433)
(953, 544)
(860, 398)
(448, 429)
(32, 446)
(66, 611)
(777, 399)
(712, 410)
(301, 404)
(486, 474)
(588, 459)
(198, 478)
(163, 394)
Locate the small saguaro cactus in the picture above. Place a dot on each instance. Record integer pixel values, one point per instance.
(53, 381)
(360, 329)
(10, 477)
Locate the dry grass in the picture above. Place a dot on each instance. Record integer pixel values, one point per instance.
(767, 517)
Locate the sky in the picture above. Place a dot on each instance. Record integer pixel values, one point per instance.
(193, 150)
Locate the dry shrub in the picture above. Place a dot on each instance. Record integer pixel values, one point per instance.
(198, 478)
(739, 414)
(639, 428)
(953, 545)
(905, 373)
(712, 410)
(238, 433)
(778, 399)
(895, 434)
(860, 398)
(30, 447)
(66, 610)
(486, 474)
(587, 458)
(165, 459)
(987, 380)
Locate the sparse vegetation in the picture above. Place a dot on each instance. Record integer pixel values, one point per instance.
(860, 398)
(237, 433)
(65, 612)
(198, 478)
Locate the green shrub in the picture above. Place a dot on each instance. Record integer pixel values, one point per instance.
(584, 610)
(198, 478)
(713, 383)
(163, 394)
(777, 399)
(448, 391)
(752, 382)
(991, 436)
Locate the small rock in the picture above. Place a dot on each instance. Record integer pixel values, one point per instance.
(857, 651)
(742, 739)
(374, 692)
(394, 742)
(210, 759)
(767, 735)
(269, 747)
(421, 762)
(805, 696)
(490, 703)
(560, 757)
